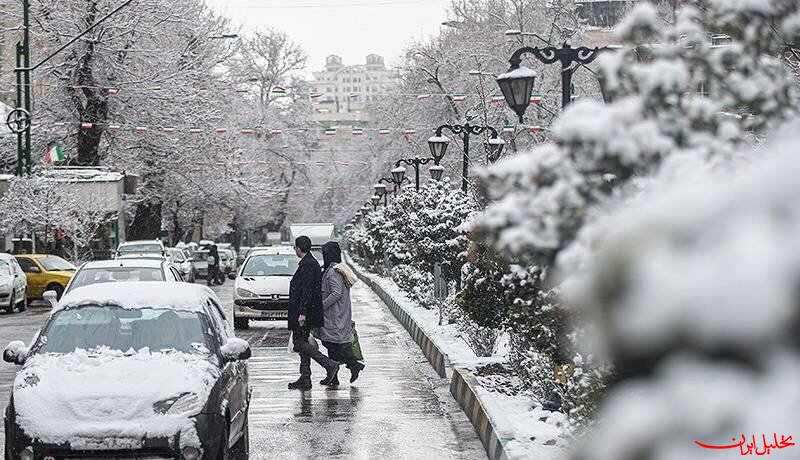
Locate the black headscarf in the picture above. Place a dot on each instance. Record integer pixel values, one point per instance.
(331, 254)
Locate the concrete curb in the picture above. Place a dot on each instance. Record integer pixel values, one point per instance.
(462, 382)
(434, 355)
(462, 387)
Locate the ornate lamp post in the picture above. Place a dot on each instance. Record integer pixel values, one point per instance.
(517, 83)
(437, 172)
(376, 201)
(416, 163)
(438, 144)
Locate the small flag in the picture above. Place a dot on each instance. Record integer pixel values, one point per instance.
(168, 130)
(315, 95)
(358, 131)
(248, 131)
(275, 132)
(114, 127)
(409, 132)
(221, 130)
(536, 99)
(278, 90)
(323, 110)
(459, 98)
(112, 91)
(87, 125)
(195, 130)
(54, 154)
(383, 131)
(423, 96)
(508, 129)
(140, 129)
(59, 123)
(535, 129)
(330, 132)
(498, 101)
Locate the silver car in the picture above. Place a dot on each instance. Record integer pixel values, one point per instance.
(13, 284)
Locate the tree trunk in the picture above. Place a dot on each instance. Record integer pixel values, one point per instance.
(146, 223)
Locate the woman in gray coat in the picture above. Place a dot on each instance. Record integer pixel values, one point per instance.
(336, 333)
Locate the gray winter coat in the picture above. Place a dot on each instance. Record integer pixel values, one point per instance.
(336, 307)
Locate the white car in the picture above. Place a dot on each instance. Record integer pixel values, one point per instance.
(261, 291)
(179, 259)
(155, 247)
(13, 284)
(124, 270)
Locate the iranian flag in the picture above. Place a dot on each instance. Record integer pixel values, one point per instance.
(55, 154)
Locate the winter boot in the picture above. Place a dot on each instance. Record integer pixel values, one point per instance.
(331, 383)
(332, 373)
(355, 370)
(303, 384)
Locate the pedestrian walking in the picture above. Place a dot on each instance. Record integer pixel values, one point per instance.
(305, 314)
(337, 330)
(212, 274)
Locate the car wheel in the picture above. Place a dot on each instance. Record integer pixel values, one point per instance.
(23, 304)
(11, 304)
(59, 290)
(241, 323)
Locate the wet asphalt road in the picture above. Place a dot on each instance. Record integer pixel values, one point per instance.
(399, 407)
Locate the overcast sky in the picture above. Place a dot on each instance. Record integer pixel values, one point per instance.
(349, 28)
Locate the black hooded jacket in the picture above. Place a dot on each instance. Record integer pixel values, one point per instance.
(305, 296)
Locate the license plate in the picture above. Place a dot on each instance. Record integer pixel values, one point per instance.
(274, 314)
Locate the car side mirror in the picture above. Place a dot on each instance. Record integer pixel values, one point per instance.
(16, 352)
(51, 297)
(232, 275)
(236, 349)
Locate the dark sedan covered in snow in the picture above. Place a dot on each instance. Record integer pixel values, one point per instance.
(131, 370)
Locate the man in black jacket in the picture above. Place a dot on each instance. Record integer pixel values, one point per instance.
(305, 313)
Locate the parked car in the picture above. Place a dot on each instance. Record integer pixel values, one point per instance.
(261, 291)
(45, 272)
(122, 270)
(200, 258)
(141, 247)
(182, 262)
(13, 284)
(131, 370)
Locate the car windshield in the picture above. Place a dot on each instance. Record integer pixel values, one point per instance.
(270, 265)
(94, 327)
(143, 247)
(55, 263)
(88, 276)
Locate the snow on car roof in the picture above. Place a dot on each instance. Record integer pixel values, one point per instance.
(142, 294)
(273, 250)
(132, 262)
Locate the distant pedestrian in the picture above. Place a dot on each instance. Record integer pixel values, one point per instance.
(337, 331)
(212, 274)
(305, 314)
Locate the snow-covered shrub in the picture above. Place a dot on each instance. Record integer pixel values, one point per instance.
(696, 302)
(682, 101)
(418, 285)
(481, 339)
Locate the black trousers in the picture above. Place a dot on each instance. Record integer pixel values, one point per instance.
(308, 349)
(342, 352)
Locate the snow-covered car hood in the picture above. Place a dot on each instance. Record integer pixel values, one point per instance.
(80, 396)
(265, 285)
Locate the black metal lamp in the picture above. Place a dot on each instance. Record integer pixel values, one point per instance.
(438, 146)
(437, 172)
(380, 189)
(398, 174)
(494, 148)
(376, 200)
(517, 87)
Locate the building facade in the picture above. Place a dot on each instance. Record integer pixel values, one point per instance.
(342, 92)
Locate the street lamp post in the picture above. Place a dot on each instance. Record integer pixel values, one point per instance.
(416, 163)
(438, 145)
(517, 84)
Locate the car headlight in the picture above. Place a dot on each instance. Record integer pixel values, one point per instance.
(244, 293)
(183, 404)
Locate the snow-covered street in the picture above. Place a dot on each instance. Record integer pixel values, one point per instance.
(399, 407)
